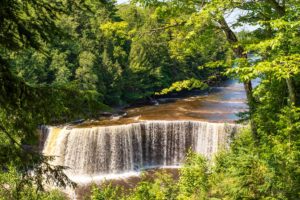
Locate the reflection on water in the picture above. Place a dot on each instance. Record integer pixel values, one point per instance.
(221, 104)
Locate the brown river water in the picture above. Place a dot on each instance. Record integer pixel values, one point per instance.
(219, 104)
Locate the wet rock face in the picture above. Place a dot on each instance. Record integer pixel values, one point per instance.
(131, 147)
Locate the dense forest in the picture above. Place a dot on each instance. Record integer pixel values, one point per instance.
(63, 60)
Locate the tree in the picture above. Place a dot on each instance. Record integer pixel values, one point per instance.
(26, 104)
(183, 14)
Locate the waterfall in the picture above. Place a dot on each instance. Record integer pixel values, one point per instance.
(131, 147)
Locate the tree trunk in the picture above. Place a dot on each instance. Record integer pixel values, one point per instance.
(239, 53)
(280, 9)
(291, 90)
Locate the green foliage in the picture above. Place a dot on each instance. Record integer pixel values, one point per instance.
(66, 59)
(28, 97)
(107, 193)
(263, 169)
(14, 186)
(119, 55)
(193, 181)
(163, 187)
(184, 85)
(241, 173)
(193, 184)
(268, 172)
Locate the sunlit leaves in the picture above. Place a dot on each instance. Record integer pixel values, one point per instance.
(13, 186)
(60, 66)
(85, 73)
(108, 192)
(193, 181)
(184, 85)
(115, 29)
(281, 68)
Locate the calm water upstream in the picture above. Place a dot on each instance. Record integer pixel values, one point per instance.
(220, 104)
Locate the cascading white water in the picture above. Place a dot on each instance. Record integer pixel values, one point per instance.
(125, 148)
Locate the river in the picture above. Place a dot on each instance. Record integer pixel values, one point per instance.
(156, 136)
(219, 104)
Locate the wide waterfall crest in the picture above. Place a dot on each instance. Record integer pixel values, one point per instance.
(131, 147)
